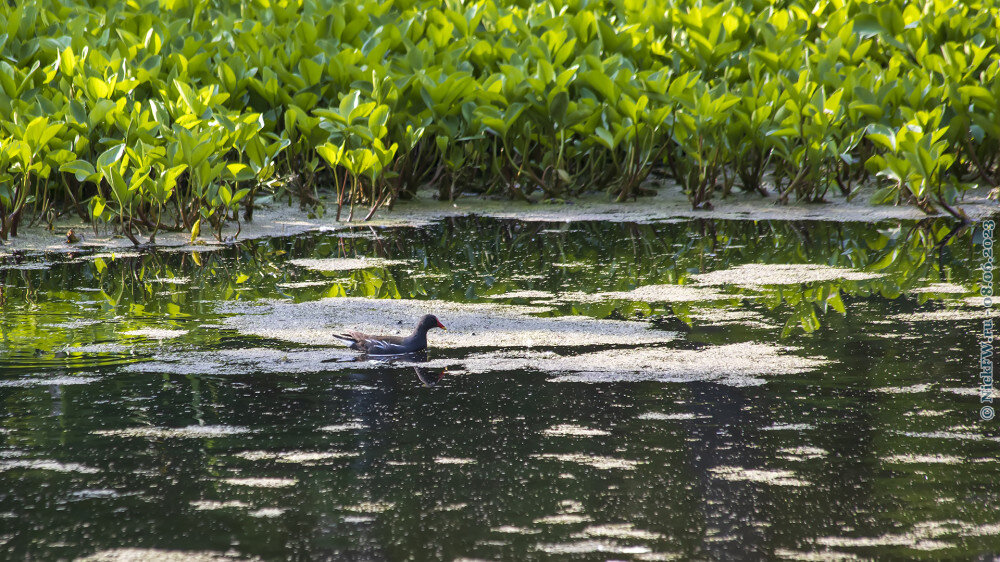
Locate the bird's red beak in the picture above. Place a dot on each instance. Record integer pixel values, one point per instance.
(440, 325)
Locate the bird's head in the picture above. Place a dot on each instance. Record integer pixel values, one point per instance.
(430, 321)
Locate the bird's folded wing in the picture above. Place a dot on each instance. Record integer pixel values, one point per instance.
(350, 337)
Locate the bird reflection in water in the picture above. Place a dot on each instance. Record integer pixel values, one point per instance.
(427, 377)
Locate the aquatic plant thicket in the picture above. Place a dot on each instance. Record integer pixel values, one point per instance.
(179, 114)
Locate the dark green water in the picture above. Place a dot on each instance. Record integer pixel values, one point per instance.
(880, 452)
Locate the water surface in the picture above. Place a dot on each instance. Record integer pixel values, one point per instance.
(136, 414)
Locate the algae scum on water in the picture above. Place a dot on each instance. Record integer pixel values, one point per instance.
(632, 391)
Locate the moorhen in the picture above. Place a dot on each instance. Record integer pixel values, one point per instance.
(393, 345)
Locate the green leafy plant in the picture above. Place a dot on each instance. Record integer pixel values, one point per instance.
(528, 100)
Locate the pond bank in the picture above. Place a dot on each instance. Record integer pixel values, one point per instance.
(670, 204)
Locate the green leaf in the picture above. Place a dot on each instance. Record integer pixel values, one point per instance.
(225, 195)
(97, 88)
(311, 71)
(882, 136)
(606, 138)
(377, 121)
(331, 153)
(558, 104)
(110, 156)
(98, 208)
(81, 169)
(867, 25)
(119, 188)
(602, 84)
(239, 195)
(240, 172)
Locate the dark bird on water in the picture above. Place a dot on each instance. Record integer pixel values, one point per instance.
(392, 345)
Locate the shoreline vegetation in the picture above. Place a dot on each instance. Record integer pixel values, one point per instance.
(70, 234)
(181, 116)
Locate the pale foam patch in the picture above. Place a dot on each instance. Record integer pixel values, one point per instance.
(742, 364)
(171, 280)
(927, 413)
(591, 547)
(77, 323)
(345, 264)
(814, 556)
(978, 301)
(909, 540)
(946, 315)
(522, 294)
(570, 430)
(123, 254)
(156, 555)
(659, 556)
(788, 427)
(660, 416)
(514, 530)
(27, 266)
(617, 531)
(155, 334)
(210, 505)
(594, 461)
(95, 493)
(260, 482)
(350, 426)
(247, 361)
(971, 391)
(912, 389)
(772, 477)
(670, 203)
(370, 507)
(268, 512)
(45, 464)
(450, 507)
(189, 432)
(727, 316)
(948, 288)
(469, 324)
(761, 274)
(48, 381)
(570, 506)
(309, 458)
(302, 284)
(99, 348)
(563, 519)
(956, 435)
(484, 325)
(912, 458)
(802, 453)
(454, 460)
(651, 293)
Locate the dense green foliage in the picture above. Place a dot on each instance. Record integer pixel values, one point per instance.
(174, 113)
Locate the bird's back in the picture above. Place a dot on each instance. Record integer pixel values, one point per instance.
(379, 345)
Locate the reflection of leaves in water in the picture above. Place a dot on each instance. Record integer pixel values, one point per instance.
(471, 258)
